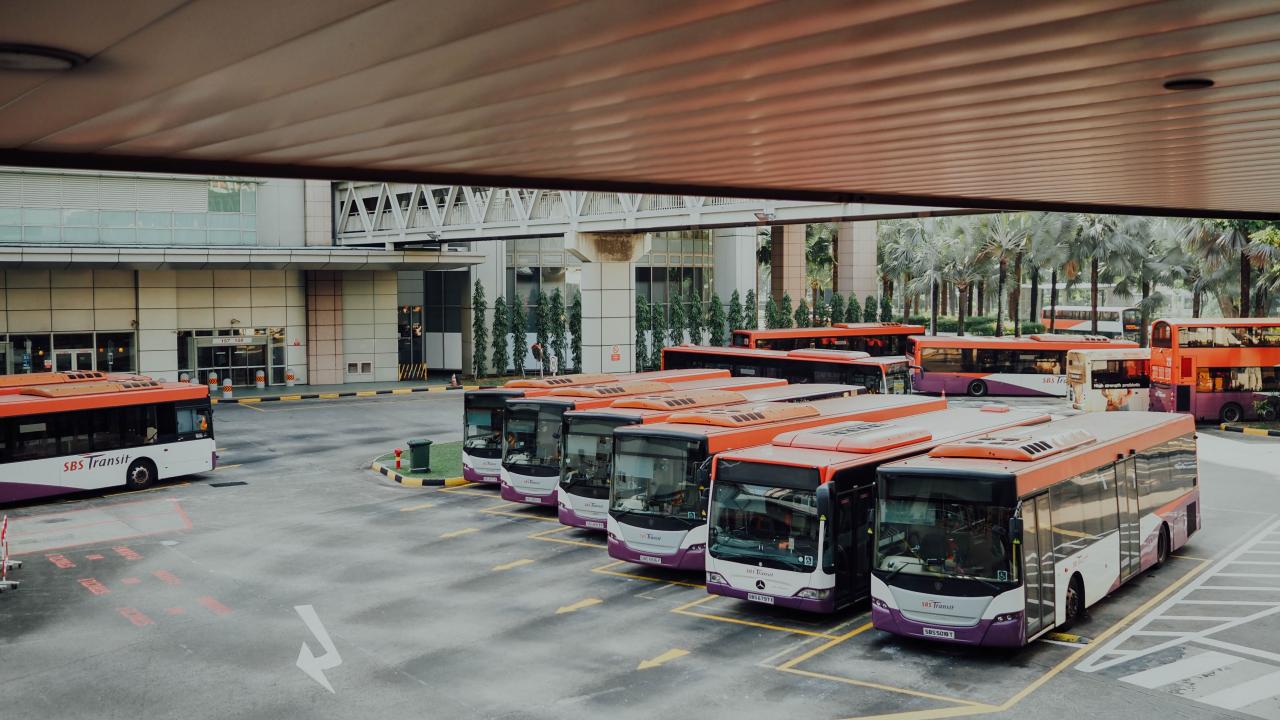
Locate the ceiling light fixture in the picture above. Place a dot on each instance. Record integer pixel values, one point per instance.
(1188, 84)
(16, 56)
(765, 216)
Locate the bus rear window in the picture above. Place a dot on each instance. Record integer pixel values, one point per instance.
(1161, 335)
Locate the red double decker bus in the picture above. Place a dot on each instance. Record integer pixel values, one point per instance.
(1212, 368)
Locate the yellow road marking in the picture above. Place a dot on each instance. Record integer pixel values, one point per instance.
(413, 508)
(151, 489)
(605, 570)
(253, 408)
(228, 467)
(512, 564)
(574, 607)
(328, 396)
(545, 535)
(250, 401)
(498, 510)
(365, 393)
(1067, 638)
(824, 647)
(462, 490)
(978, 709)
(457, 533)
(400, 391)
(684, 610)
(665, 657)
(290, 397)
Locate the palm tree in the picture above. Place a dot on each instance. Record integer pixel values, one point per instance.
(1224, 243)
(1050, 245)
(1145, 265)
(1004, 238)
(1106, 239)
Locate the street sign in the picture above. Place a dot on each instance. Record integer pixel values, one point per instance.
(614, 354)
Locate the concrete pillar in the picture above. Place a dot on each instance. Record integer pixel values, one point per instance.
(735, 261)
(856, 259)
(492, 274)
(608, 297)
(787, 263)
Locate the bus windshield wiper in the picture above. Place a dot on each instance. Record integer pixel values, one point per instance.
(984, 581)
(899, 569)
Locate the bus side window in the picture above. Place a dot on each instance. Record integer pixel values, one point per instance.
(188, 422)
(105, 432)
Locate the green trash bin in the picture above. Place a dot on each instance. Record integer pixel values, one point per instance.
(420, 455)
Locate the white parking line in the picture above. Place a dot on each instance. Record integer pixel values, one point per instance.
(1207, 661)
(1246, 693)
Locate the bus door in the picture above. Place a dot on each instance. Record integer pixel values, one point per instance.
(1037, 563)
(1130, 533)
(1182, 398)
(853, 510)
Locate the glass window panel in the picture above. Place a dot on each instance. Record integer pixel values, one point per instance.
(115, 352)
(659, 244)
(116, 236)
(191, 237)
(249, 237)
(117, 218)
(10, 216)
(10, 233)
(80, 218)
(41, 234)
(189, 220)
(80, 235)
(155, 219)
(249, 222)
(155, 236)
(224, 221)
(224, 196)
(39, 216)
(224, 237)
(30, 352)
(248, 198)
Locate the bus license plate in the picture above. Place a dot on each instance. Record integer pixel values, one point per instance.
(490, 478)
(651, 559)
(595, 524)
(935, 632)
(535, 500)
(766, 599)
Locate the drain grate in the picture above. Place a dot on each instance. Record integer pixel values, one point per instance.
(228, 484)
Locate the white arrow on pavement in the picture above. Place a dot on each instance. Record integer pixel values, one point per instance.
(307, 661)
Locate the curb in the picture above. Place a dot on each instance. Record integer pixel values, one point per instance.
(338, 395)
(1261, 432)
(417, 482)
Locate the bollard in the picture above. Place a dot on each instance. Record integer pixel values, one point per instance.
(260, 380)
(226, 389)
(289, 378)
(398, 452)
(5, 562)
(453, 380)
(184, 378)
(213, 384)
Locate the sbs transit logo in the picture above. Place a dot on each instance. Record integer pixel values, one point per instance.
(96, 460)
(936, 605)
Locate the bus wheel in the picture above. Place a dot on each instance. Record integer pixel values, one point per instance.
(977, 388)
(142, 472)
(1075, 601)
(1232, 412)
(1162, 546)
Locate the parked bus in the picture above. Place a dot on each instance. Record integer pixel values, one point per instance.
(483, 413)
(587, 460)
(1000, 539)
(662, 472)
(1108, 379)
(873, 338)
(1212, 368)
(75, 434)
(790, 522)
(887, 374)
(1113, 321)
(534, 436)
(980, 365)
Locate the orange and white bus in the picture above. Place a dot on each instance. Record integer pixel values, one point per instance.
(790, 522)
(873, 338)
(583, 497)
(887, 374)
(1113, 321)
(999, 539)
(662, 472)
(1109, 379)
(87, 433)
(533, 439)
(980, 365)
(483, 412)
(1212, 368)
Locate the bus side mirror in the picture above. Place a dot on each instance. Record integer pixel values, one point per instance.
(1015, 528)
(915, 368)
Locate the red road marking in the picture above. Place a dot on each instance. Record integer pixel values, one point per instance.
(175, 611)
(135, 616)
(93, 586)
(130, 580)
(167, 577)
(62, 561)
(95, 556)
(126, 553)
(214, 606)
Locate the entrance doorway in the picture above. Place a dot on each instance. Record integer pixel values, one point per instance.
(238, 357)
(72, 360)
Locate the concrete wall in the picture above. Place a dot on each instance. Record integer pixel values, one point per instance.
(735, 268)
(369, 332)
(280, 213)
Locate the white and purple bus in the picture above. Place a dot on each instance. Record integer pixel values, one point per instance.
(999, 539)
(980, 365)
(662, 472)
(583, 497)
(790, 522)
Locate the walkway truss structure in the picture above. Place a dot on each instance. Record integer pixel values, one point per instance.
(401, 213)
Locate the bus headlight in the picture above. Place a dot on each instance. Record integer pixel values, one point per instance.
(697, 548)
(1007, 617)
(717, 578)
(813, 593)
(877, 602)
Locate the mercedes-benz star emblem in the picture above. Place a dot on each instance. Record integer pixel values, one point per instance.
(759, 584)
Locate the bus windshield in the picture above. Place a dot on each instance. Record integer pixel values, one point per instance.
(870, 377)
(588, 450)
(482, 431)
(658, 477)
(944, 527)
(898, 378)
(533, 437)
(773, 527)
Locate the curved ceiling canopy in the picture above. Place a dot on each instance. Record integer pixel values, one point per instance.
(1164, 107)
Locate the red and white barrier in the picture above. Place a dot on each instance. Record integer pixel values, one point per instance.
(5, 562)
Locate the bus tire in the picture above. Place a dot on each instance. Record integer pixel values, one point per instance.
(141, 474)
(977, 388)
(1162, 546)
(1232, 412)
(1074, 601)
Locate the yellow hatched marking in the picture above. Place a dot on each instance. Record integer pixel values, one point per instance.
(459, 533)
(227, 467)
(546, 535)
(607, 570)
(684, 610)
(512, 564)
